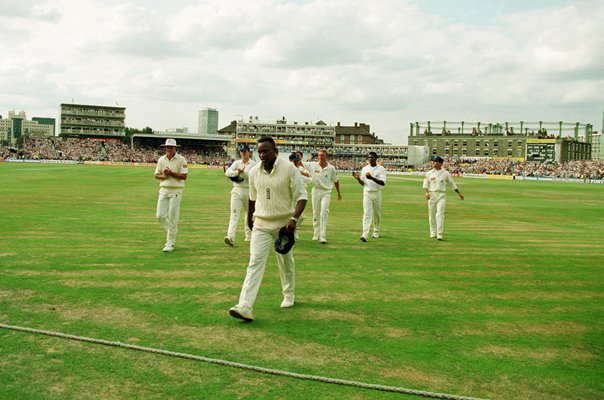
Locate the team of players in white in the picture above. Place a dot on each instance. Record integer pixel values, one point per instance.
(272, 194)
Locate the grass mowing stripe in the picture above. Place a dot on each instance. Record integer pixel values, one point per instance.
(509, 306)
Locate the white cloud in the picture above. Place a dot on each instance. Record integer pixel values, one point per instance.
(386, 63)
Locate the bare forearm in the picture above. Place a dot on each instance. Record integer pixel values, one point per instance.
(300, 206)
(251, 208)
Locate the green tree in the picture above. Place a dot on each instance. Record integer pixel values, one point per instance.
(131, 131)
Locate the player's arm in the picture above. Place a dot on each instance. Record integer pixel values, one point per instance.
(425, 187)
(232, 171)
(454, 186)
(292, 223)
(356, 176)
(251, 208)
(158, 173)
(337, 185)
(376, 180)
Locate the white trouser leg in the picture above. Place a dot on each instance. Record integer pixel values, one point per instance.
(287, 273)
(436, 213)
(260, 245)
(376, 199)
(239, 203)
(245, 197)
(325, 201)
(367, 213)
(432, 214)
(440, 214)
(316, 213)
(168, 213)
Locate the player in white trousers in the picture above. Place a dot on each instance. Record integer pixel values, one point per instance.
(435, 186)
(172, 171)
(373, 180)
(296, 158)
(238, 173)
(324, 178)
(277, 198)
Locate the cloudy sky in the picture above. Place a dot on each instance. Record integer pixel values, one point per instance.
(383, 62)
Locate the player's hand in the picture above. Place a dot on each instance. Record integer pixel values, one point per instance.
(355, 175)
(368, 175)
(291, 226)
(427, 196)
(167, 172)
(339, 197)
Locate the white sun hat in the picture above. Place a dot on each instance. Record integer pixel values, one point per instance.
(170, 142)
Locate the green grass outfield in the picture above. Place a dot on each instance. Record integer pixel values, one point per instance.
(509, 306)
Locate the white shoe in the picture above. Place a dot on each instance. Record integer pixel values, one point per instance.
(243, 313)
(229, 241)
(168, 248)
(314, 238)
(439, 237)
(287, 303)
(375, 236)
(432, 236)
(363, 239)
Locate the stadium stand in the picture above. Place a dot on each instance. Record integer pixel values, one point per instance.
(570, 169)
(58, 148)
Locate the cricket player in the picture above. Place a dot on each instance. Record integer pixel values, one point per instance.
(373, 180)
(238, 172)
(277, 199)
(172, 171)
(435, 186)
(324, 178)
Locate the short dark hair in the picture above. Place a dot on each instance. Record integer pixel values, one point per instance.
(267, 139)
(373, 153)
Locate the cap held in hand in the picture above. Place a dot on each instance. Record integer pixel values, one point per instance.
(285, 241)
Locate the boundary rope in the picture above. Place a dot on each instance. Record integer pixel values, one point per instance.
(242, 366)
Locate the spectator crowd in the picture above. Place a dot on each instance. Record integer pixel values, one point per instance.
(58, 148)
(570, 169)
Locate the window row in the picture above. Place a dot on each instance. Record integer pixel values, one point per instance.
(481, 153)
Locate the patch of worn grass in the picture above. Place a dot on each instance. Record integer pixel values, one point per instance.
(509, 306)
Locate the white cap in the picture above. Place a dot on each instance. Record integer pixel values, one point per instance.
(170, 142)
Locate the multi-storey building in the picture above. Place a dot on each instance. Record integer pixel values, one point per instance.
(357, 134)
(347, 143)
(51, 122)
(596, 145)
(83, 120)
(175, 131)
(208, 121)
(507, 140)
(17, 125)
(307, 137)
